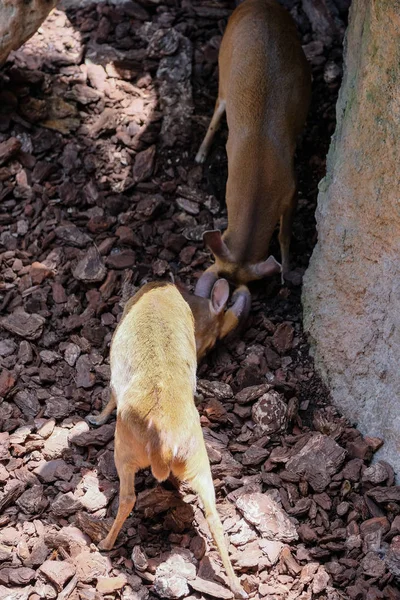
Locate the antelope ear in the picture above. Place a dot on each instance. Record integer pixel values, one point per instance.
(219, 295)
(213, 239)
(266, 268)
(236, 316)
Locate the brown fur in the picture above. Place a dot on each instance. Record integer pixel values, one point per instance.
(264, 86)
(153, 379)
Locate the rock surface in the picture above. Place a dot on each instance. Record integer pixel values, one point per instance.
(352, 287)
(18, 22)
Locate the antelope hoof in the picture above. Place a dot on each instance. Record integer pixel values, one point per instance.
(95, 420)
(104, 545)
(239, 592)
(200, 157)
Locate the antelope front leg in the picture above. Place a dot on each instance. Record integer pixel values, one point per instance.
(127, 497)
(212, 128)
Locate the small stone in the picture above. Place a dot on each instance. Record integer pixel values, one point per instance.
(374, 443)
(59, 295)
(7, 347)
(139, 559)
(383, 495)
(9, 593)
(93, 499)
(18, 576)
(243, 534)
(393, 557)
(28, 403)
(272, 550)
(85, 378)
(57, 407)
(33, 500)
(90, 268)
(170, 585)
(96, 437)
(72, 353)
(49, 357)
(148, 207)
(5, 553)
(8, 149)
(248, 557)
(270, 412)
(91, 566)
(108, 585)
(321, 580)
(54, 470)
(210, 588)
(283, 338)
(39, 272)
(215, 411)
(39, 553)
(192, 208)
(163, 43)
(323, 500)
(359, 449)
(267, 517)
(214, 389)
(45, 427)
(198, 546)
(342, 508)
(172, 573)
(186, 255)
(254, 455)
(72, 235)
(84, 94)
(144, 164)
(160, 267)
(320, 458)
(28, 326)
(372, 565)
(57, 572)
(249, 394)
(351, 470)
(7, 382)
(65, 505)
(332, 72)
(376, 474)
(56, 443)
(127, 236)
(122, 259)
(107, 466)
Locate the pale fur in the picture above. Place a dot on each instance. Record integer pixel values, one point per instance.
(153, 380)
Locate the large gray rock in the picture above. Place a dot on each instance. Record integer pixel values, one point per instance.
(19, 20)
(351, 293)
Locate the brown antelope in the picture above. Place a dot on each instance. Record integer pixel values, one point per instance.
(264, 88)
(153, 380)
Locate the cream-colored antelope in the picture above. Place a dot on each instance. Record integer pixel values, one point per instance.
(153, 379)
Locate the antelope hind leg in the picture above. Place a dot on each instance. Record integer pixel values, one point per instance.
(105, 413)
(203, 484)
